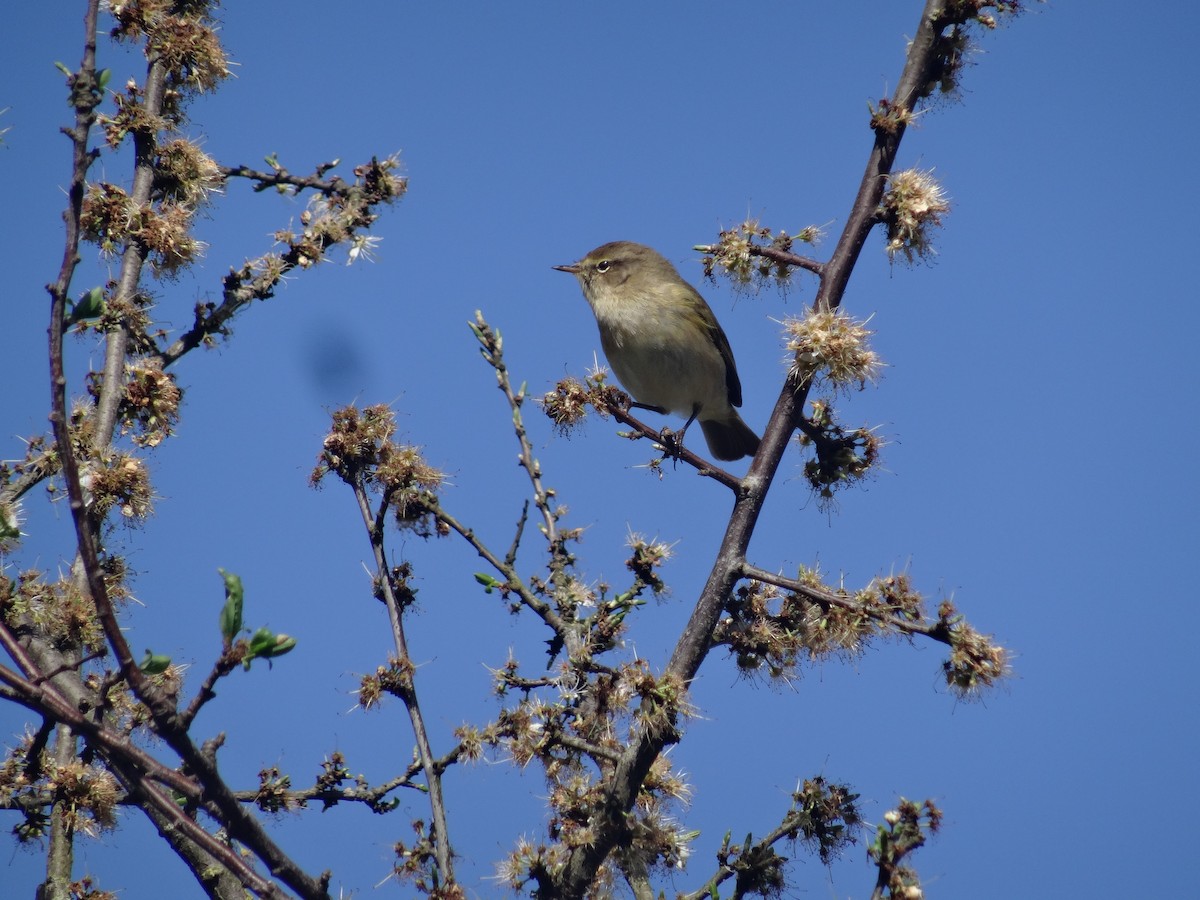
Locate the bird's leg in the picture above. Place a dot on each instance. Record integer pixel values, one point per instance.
(673, 440)
(691, 419)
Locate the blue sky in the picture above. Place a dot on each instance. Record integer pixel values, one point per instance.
(1040, 404)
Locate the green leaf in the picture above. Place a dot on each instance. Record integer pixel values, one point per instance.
(89, 306)
(489, 583)
(103, 77)
(154, 663)
(261, 640)
(283, 644)
(231, 612)
(265, 644)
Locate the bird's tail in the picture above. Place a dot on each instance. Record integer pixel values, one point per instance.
(729, 439)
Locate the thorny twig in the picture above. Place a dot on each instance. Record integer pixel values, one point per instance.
(388, 593)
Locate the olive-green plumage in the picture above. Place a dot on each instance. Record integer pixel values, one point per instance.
(664, 343)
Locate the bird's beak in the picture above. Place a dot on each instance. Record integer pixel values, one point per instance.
(572, 269)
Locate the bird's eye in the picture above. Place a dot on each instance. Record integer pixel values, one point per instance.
(603, 266)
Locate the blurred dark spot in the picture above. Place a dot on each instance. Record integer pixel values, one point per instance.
(334, 360)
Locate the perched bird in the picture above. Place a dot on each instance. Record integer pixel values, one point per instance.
(664, 343)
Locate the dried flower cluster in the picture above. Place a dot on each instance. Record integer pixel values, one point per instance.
(772, 628)
(417, 865)
(335, 216)
(57, 609)
(359, 450)
(151, 406)
(566, 406)
(112, 220)
(30, 778)
(831, 346)
(912, 207)
(823, 815)
(953, 47)
(275, 791)
(121, 482)
(841, 456)
(749, 252)
(976, 662)
(185, 174)
(395, 678)
(577, 738)
(183, 38)
(776, 629)
(891, 118)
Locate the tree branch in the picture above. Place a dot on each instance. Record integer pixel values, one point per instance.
(932, 629)
(437, 803)
(696, 639)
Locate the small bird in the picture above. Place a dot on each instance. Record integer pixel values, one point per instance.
(664, 343)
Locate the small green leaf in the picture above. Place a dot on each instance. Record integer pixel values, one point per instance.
(283, 644)
(103, 77)
(265, 644)
(89, 306)
(154, 663)
(231, 612)
(261, 640)
(489, 583)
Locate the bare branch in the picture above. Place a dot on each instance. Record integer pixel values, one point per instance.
(385, 583)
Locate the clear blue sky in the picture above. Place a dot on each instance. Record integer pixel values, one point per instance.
(1041, 404)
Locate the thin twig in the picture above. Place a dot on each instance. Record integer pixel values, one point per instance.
(931, 629)
(676, 450)
(512, 580)
(373, 797)
(510, 558)
(281, 177)
(437, 803)
(206, 692)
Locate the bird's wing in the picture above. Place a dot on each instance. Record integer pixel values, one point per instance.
(731, 376)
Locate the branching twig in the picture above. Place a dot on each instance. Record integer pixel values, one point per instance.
(33, 471)
(222, 667)
(353, 206)
(512, 580)
(671, 449)
(492, 348)
(384, 578)
(936, 630)
(372, 797)
(281, 177)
